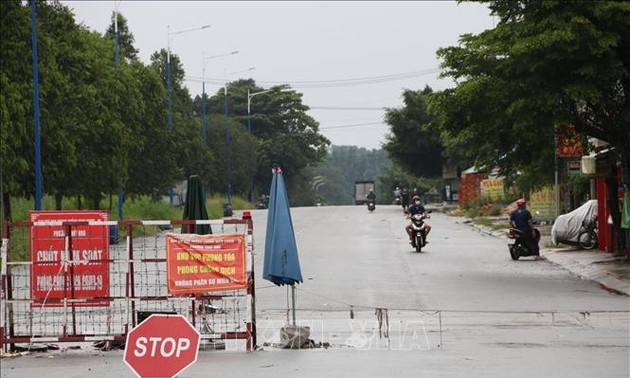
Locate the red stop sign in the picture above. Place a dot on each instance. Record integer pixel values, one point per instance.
(161, 346)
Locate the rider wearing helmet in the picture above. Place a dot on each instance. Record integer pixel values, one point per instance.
(416, 208)
(521, 219)
(371, 196)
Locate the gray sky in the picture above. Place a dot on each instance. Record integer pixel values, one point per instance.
(358, 54)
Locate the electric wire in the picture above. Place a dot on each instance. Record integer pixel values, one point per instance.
(330, 83)
(344, 108)
(352, 125)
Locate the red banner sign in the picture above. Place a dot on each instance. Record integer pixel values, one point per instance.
(569, 142)
(79, 269)
(202, 263)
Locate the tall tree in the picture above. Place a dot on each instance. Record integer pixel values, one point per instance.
(185, 146)
(413, 144)
(546, 63)
(126, 50)
(286, 134)
(152, 163)
(16, 94)
(66, 96)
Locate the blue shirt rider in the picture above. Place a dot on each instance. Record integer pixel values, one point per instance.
(521, 219)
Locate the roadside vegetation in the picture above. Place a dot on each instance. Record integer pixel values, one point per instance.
(495, 216)
(142, 208)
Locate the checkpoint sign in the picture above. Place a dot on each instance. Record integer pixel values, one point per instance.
(162, 346)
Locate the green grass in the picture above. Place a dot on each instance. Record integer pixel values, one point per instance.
(142, 208)
(490, 223)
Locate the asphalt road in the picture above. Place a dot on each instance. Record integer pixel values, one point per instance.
(460, 308)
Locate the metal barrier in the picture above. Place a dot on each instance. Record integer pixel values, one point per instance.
(132, 286)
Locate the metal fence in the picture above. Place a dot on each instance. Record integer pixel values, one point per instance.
(136, 286)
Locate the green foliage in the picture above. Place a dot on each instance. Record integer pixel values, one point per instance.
(15, 98)
(413, 143)
(104, 121)
(139, 208)
(334, 178)
(546, 63)
(126, 49)
(281, 133)
(394, 176)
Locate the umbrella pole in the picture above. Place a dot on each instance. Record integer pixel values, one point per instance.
(293, 301)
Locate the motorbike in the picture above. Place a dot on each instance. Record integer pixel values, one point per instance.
(587, 239)
(418, 227)
(263, 202)
(520, 247)
(371, 205)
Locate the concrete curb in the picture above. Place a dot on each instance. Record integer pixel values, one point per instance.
(603, 268)
(596, 266)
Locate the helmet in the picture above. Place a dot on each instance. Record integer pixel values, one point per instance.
(521, 202)
(416, 198)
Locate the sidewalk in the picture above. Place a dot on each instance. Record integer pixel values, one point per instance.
(612, 272)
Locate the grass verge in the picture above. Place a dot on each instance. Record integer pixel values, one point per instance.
(143, 208)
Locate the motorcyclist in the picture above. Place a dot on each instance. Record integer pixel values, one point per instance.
(371, 200)
(416, 208)
(405, 199)
(397, 196)
(371, 196)
(521, 219)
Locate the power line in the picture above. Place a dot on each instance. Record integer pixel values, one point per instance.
(353, 125)
(332, 83)
(343, 108)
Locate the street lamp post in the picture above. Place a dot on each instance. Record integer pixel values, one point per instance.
(38, 154)
(121, 192)
(249, 105)
(169, 86)
(228, 139)
(204, 122)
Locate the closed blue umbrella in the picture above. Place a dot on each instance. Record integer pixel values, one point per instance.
(281, 265)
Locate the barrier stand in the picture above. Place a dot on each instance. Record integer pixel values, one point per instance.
(136, 281)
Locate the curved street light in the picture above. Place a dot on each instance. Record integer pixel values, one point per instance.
(204, 122)
(169, 86)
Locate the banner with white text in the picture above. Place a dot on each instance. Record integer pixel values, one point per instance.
(74, 271)
(202, 263)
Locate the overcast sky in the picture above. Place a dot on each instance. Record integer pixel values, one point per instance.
(358, 56)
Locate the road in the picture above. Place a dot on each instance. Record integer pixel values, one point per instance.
(460, 308)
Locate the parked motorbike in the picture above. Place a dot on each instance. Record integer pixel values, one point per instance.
(588, 234)
(371, 206)
(520, 247)
(263, 202)
(418, 227)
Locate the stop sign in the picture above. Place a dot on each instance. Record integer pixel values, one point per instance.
(161, 346)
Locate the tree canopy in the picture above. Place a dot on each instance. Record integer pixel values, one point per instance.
(104, 118)
(545, 65)
(413, 144)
